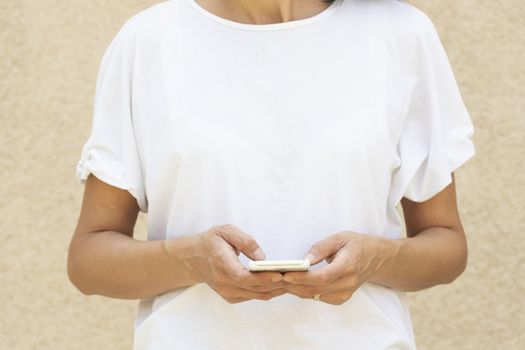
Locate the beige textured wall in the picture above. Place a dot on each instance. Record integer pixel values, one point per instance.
(50, 51)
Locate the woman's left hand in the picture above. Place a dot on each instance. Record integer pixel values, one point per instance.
(353, 257)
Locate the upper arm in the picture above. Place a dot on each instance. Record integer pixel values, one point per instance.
(440, 210)
(106, 208)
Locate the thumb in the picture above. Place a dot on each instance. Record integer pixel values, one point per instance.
(323, 249)
(243, 242)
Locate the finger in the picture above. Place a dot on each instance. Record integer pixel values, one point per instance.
(241, 241)
(337, 298)
(267, 287)
(237, 294)
(273, 291)
(241, 276)
(324, 248)
(344, 283)
(248, 279)
(322, 276)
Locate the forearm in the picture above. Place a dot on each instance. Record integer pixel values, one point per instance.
(112, 264)
(436, 255)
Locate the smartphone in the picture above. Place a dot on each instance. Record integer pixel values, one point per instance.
(279, 265)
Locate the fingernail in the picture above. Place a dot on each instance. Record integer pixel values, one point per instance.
(276, 278)
(258, 254)
(309, 257)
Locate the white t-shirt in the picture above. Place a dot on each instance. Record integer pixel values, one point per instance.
(291, 131)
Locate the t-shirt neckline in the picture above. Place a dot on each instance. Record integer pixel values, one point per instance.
(332, 8)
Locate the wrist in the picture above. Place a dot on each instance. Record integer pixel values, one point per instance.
(183, 253)
(387, 251)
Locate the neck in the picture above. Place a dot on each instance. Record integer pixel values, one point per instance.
(265, 11)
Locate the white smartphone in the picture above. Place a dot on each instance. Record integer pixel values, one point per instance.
(279, 265)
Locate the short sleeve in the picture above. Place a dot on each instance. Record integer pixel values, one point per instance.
(436, 135)
(111, 152)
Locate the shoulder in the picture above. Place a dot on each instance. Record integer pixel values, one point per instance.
(395, 16)
(155, 14)
(415, 20)
(152, 20)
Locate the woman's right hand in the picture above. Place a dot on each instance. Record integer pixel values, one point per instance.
(216, 262)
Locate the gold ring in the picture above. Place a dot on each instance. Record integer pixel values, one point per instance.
(316, 296)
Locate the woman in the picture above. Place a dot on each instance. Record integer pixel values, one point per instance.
(273, 129)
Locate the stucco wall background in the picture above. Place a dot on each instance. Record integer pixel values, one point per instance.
(50, 52)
